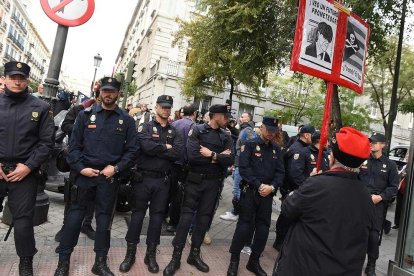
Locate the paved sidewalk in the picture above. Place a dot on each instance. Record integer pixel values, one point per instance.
(216, 254)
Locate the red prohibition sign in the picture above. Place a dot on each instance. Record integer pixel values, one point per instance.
(80, 17)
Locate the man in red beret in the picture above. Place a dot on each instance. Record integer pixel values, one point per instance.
(333, 215)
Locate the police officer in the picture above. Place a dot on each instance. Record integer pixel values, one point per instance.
(103, 143)
(294, 161)
(160, 145)
(332, 213)
(310, 157)
(210, 152)
(380, 174)
(262, 171)
(26, 139)
(180, 168)
(67, 127)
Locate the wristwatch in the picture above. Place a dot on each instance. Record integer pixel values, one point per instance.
(116, 169)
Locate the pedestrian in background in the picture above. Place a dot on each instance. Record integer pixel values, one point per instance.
(26, 140)
(380, 176)
(332, 215)
(160, 144)
(262, 171)
(103, 144)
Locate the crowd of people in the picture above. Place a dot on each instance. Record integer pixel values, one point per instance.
(330, 219)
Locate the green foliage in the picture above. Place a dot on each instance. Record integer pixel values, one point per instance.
(236, 42)
(380, 75)
(34, 85)
(304, 99)
(132, 88)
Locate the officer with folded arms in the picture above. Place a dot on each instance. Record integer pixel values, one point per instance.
(262, 172)
(210, 152)
(103, 144)
(26, 139)
(160, 145)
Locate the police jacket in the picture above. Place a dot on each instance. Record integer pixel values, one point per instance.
(380, 176)
(295, 164)
(261, 163)
(333, 214)
(101, 137)
(153, 154)
(216, 140)
(69, 121)
(302, 166)
(26, 129)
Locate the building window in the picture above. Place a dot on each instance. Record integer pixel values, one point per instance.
(245, 108)
(205, 103)
(374, 110)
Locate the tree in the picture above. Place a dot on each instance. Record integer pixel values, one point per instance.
(379, 78)
(383, 16)
(236, 43)
(301, 95)
(304, 100)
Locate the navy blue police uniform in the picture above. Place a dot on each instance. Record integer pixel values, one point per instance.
(202, 187)
(259, 163)
(296, 174)
(100, 138)
(381, 178)
(27, 137)
(151, 185)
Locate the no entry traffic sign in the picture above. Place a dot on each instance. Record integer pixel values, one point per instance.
(68, 13)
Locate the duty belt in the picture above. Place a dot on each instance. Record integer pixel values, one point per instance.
(153, 174)
(208, 176)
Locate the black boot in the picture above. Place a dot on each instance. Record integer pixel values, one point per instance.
(195, 260)
(253, 265)
(150, 260)
(175, 262)
(234, 265)
(129, 257)
(26, 266)
(62, 269)
(370, 269)
(88, 231)
(101, 268)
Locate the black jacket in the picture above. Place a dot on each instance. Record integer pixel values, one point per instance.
(332, 216)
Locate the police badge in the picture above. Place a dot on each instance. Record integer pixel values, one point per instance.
(257, 148)
(154, 129)
(296, 156)
(35, 116)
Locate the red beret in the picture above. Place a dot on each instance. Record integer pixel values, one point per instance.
(350, 147)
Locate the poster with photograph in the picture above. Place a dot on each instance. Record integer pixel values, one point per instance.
(353, 61)
(319, 35)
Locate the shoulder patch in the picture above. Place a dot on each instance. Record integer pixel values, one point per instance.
(190, 132)
(296, 156)
(242, 148)
(140, 128)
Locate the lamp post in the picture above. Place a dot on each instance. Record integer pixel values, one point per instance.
(96, 63)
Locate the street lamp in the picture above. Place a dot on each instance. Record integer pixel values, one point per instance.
(96, 63)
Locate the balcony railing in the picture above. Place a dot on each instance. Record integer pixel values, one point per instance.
(168, 67)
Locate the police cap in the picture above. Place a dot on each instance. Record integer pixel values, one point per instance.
(219, 108)
(165, 101)
(109, 83)
(271, 123)
(307, 129)
(377, 137)
(16, 68)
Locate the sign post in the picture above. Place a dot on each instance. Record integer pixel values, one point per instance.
(66, 13)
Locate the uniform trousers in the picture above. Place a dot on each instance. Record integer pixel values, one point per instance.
(199, 198)
(374, 235)
(153, 192)
(21, 201)
(255, 216)
(104, 195)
